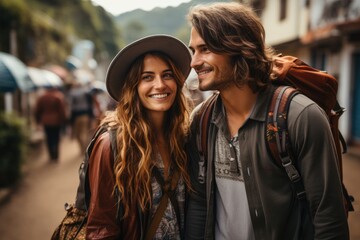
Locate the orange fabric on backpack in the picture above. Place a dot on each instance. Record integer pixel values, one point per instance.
(292, 71)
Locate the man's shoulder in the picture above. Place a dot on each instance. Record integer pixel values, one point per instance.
(303, 109)
(301, 102)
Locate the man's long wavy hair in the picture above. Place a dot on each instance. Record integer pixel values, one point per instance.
(234, 29)
(135, 138)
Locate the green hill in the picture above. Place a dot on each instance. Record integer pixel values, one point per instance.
(170, 20)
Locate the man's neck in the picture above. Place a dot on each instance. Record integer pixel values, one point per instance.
(238, 103)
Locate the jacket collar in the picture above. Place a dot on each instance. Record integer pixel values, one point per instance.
(258, 113)
(260, 109)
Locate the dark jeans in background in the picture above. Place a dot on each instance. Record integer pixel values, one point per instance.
(52, 141)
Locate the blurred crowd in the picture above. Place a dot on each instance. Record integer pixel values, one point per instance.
(75, 110)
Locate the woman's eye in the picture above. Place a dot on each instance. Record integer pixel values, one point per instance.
(146, 77)
(168, 76)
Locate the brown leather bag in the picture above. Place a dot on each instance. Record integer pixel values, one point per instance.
(73, 226)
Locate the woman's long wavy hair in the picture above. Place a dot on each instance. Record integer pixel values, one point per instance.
(235, 30)
(135, 138)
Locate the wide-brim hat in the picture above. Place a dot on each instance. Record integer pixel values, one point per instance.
(120, 65)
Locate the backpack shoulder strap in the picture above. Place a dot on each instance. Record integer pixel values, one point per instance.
(202, 120)
(83, 193)
(338, 111)
(277, 136)
(113, 143)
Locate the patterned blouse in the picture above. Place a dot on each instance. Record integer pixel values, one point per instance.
(169, 226)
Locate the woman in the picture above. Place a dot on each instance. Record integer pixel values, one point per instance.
(151, 122)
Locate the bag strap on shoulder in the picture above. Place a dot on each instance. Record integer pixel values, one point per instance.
(169, 192)
(202, 120)
(113, 144)
(277, 136)
(82, 194)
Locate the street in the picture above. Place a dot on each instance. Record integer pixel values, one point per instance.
(36, 206)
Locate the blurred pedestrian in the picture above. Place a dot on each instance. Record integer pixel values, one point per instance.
(81, 103)
(151, 120)
(50, 112)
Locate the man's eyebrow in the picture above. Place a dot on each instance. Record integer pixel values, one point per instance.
(198, 46)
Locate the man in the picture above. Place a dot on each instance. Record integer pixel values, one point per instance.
(245, 194)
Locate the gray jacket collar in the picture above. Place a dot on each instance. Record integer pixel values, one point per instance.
(258, 113)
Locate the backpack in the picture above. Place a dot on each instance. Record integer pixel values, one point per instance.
(73, 225)
(293, 76)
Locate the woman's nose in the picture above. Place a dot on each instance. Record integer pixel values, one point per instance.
(159, 82)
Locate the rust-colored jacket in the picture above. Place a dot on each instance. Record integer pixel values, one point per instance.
(102, 215)
(50, 108)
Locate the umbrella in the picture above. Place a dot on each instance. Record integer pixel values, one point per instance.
(83, 76)
(14, 74)
(52, 78)
(44, 78)
(60, 71)
(98, 86)
(73, 63)
(38, 78)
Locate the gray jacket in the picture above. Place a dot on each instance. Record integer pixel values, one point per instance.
(275, 212)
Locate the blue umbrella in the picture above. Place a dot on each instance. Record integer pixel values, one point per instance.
(14, 74)
(72, 63)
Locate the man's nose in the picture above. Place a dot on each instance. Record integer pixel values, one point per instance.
(195, 61)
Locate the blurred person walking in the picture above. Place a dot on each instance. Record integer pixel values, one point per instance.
(81, 105)
(50, 112)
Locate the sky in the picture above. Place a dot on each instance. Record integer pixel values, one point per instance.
(117, 7)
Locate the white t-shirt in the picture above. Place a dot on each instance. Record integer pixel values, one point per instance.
(232, 209)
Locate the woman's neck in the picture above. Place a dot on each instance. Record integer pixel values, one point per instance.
(161, 141)
(156, 120)
(162, 145)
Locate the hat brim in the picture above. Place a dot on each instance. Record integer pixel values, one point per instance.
(119, 66)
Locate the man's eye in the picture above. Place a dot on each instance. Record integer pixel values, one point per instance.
(204, 49)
